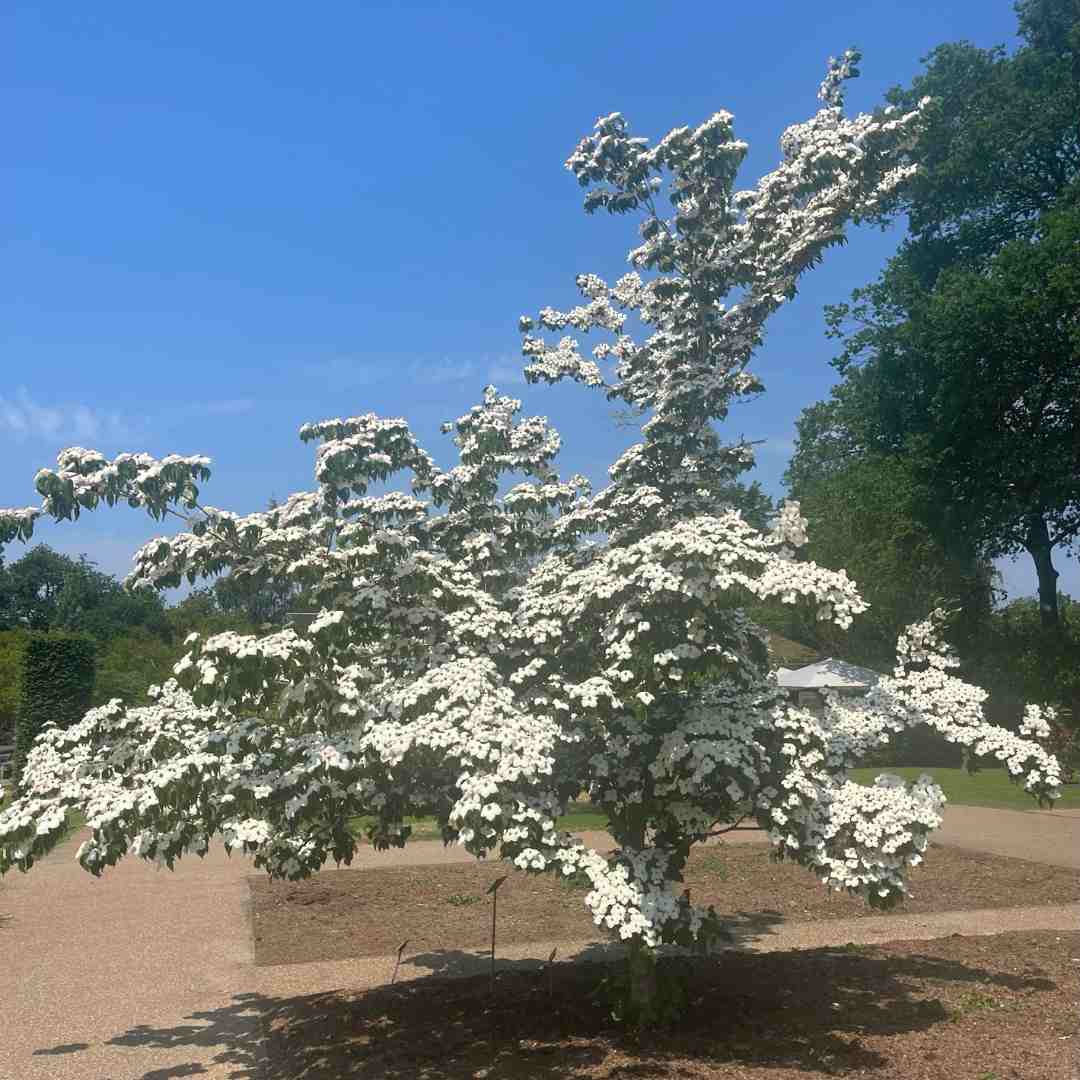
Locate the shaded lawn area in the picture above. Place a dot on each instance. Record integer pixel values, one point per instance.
(581, 818)
(73, 821)
(963, 1008)
(369, 912)
(988, 787)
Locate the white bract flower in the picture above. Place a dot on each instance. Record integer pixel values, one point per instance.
(496, 639)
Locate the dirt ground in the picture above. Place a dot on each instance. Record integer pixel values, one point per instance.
(351, 913)
(959, 1008)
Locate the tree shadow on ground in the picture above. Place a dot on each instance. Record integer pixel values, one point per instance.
(809, 1011)
(63, 1048)
(743, 927)
(235, 1031)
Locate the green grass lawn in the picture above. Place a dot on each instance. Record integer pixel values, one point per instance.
(581, 818)
(73, 823)
(988, 787)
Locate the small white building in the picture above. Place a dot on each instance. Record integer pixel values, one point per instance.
(299, 621)
(804, 685)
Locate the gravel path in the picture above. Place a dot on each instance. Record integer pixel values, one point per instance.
(112, 978)
(147, 975)
(1051, 837)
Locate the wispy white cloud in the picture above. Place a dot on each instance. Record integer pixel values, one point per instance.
(225, 407)
(442, 371)
(506, 371)
(777, 448)
(502, 371)
(21, 417)
(347, 372)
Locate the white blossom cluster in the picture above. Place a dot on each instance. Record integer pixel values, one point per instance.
(496, 640)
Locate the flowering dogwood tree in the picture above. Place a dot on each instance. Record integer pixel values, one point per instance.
(499, 639)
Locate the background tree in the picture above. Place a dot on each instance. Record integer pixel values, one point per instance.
(200, 612)
(137, 638)
(129, 664)
(964, 357)
(45, 590)
(870, 517)
(1018, 661)
(30, 588)
(977, 382)
(961, 363)
(1000, 146)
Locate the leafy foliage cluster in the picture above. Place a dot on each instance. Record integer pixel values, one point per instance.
(46, 590)
(1020, 660)
(872, 519)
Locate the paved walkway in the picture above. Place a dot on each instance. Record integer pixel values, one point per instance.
(117, 977)
(1051, 837)
(148, 975)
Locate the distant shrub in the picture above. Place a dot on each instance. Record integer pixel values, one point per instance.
(57, 687)
(1064, 742)
(12, 647)
(129, 664)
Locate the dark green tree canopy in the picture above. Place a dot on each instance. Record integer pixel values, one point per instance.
(870, 518)
(964, 356)
(30, 588)
(1001, 142)
(45, 590)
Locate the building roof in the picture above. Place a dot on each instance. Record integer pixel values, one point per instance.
(838, 674)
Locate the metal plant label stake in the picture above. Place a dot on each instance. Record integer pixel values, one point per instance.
(493, 891)
(401, 949)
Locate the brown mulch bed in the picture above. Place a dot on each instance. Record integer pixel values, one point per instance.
(959, 1008)
(348, 913)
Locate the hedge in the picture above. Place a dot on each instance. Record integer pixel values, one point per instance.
(12, 647)
(56, 688)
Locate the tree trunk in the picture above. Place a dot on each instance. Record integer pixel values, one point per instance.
(642, 988)
(640, 963)
(1039, 546)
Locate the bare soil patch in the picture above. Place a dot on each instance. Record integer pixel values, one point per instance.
(959, 1008)
(347, 913)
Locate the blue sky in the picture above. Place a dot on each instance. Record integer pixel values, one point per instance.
(224, 221)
